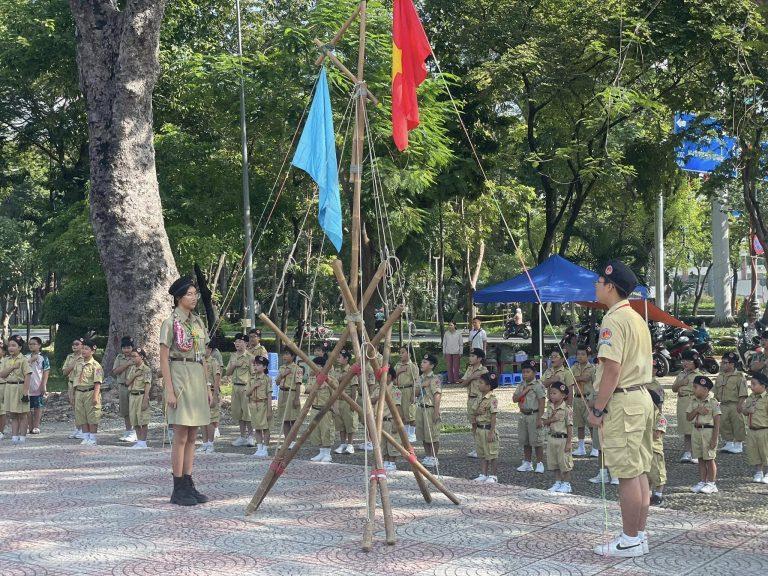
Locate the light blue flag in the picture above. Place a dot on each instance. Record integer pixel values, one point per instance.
(316, 155)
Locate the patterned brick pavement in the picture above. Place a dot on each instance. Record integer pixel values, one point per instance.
(67, 510)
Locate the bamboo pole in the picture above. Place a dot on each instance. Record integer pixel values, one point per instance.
(343, 69)
(340, 33)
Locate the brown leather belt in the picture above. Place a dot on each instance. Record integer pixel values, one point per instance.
(559, 435)
(703, 426)
(528, 412)
(85, 390)
(15, 382)
(239, 383)
(631, 388)
(484, 426)
(758, 427)
(137, 393)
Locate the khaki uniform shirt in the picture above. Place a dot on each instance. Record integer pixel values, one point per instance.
(291, 380)
(138, 378)
(687, 378)
(2, 362)
(711, 404)
(563, 415)
(487, 406)
(242, 367)
(324, 392)
(338, 371)
(88, 373)
(120, 361)
(730, 387)
(70, 362)
(213, 367)
(407, 374)
(585, 371)
(624, 338)
(561, 374)
(660, 426)
(756, 409)
(427, 388)
(397, 397)
(257, 351)
(472, 376)
(260, 388)
(19, 368)
(531, 399)
(194, 330)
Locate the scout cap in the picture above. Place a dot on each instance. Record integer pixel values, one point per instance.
(760, 377)
(431, 358)
(261, 360)
(619, 274)
(731, 357)
(180, 286)
(492, 379)
(479, 352)
(256, 331)
(690, 355)
(240, 336)
(89, 343)
(319, 360)
(704, 381)
(530, 365)
(126, 341)
(561, 387)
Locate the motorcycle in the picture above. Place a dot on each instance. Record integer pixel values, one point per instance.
(682, 340)
(748, 343)
(512, 330)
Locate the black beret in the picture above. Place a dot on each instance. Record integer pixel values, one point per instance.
(690, 355)
(346, 353)
(492, 379)
(760, 377)
(560, 386)
(731, 357)
(319, 360)
(431, 358)
(90, 343)
(618, 273)
(240, 336)
(261, 360)
(558, 352)
(126, 341)
(18, 339)
(704, 381)
(256, 331)
(479, 352)
(531, 365)
(180, 286)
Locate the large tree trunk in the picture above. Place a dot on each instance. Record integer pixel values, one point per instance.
(9, 307)
(700, 283)
(117, 57)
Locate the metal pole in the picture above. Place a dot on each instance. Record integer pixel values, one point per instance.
(720, 279)
(660, 252)
(247, 233)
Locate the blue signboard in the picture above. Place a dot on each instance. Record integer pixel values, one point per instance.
(702, 154)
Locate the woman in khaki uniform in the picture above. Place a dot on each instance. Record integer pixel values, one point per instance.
(344, 418)
(428, 394)
(138, 378)
(683, 386)
(407, 374)
(182, 363)
(3, 353)
(16, 371)
(260, 399)
(68, 369)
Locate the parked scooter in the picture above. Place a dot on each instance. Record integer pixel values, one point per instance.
(512, 330)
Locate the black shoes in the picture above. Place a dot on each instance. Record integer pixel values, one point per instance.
(656, 500)
(199, 498)
(181, 494)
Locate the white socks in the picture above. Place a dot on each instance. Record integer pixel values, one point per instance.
(629, 540)
(581, 444)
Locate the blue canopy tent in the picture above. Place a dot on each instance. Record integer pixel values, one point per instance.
(556, 280)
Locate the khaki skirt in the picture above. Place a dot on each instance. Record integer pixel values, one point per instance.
(191, 391)
(12, 403)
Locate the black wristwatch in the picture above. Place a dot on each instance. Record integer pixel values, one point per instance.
(597, 412)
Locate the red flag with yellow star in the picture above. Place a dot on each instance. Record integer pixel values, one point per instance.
(410, 49)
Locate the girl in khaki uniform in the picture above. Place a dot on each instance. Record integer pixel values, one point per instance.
(683, 386)
(139, 381)
(88, 379)
(260, 398)
(68, 369)
(486, 436)
(3, 353)
(704, 414)
(182, 362)
(407, 374)
(213, 380)
(344, 418)
(428, 396)
(239, 369)
(16, 372)
(322, 435)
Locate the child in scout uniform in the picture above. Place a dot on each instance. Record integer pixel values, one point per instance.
(213, 380)
(388, 452)
(16, 372)
(731, 392)
(88, 379)
(428, 410)
(486, 436)
(322, 435)
(255, 347)
(558, 372)
(683, 386)
(407, 374)
(657, 477)
(68, 369)
(3, 354)
(471, 380)
(704, 413)
(120, 367)
(260, 398)
(584, 374)
(344, 418)
(370, 376)
(531, 434)
(756, 410)
(239, 369)
(289, 383)
(758, 362)
(138, 379)
(558, 418)
(38, 382)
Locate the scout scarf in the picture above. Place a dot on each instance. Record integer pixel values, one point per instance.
(186, 338)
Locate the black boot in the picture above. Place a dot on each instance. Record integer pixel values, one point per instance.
(199, 498)
(181, 494)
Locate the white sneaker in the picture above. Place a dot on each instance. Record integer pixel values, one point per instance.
(129, 436)
(2, 435)
(412, 437)
(595, 453)
(696, 488)
(472, 454)
(72, 435)
(758, 477)
(765, 479)
(202, 448)
(492, 480)
(239, 441)
(694, 460)
(555, 487)
(291, 445)
(216, 432)
(646, 550)
(140, 446)
(350, 449)
(617, 547)
(727, 448)
(210, 449)
(480, 478)
(565, 488)
(340, 449)
(686, 457)
(615, 481)
(318, 457)
(85, 442)
(430, 461)
(124, 436)
(326, 456)
(390, 466)
(709, 488)
(602, 477)
(250, 441)
(579, 452)
(738, 448)
(79, 435)
(367, 446)
(170, 435)
(525, 467)
(539, 468)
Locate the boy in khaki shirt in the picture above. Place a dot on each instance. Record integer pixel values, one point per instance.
(531, 434)
(704, 413)
(559, 419)
(260, 399)
(88, 379)
(731, 391)
(239, 369)
(756, 410)
(471, 381)
(584, 374)
(407, 374)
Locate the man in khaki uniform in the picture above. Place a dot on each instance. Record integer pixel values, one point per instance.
(704, 413)
(17, 373)
(88, 379)
(584, 374)
(731, 392)
(255, 347)
(239, 369)
(530, 396)
(68, 369)
(344, 418)
(558, 372)
(683, 386)
(122, 363)
(623, 406)
(756, 411)
(428, 395)
(407, 374)
(471, 381)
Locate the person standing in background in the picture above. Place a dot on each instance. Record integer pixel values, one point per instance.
(477, 336)
(453, 345)
(38, 383)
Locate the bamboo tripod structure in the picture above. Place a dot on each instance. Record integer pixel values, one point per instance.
(356, 333)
